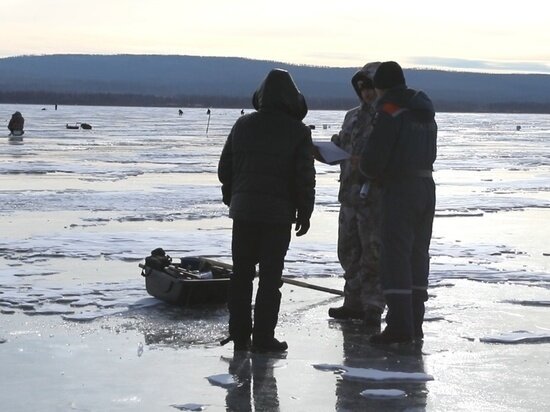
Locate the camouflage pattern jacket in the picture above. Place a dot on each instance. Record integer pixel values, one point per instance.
(352, 138)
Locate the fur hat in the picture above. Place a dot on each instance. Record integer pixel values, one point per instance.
(388, 75)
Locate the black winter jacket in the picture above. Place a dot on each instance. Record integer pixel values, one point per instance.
(16, 123)
(404, 138)
(266, 166)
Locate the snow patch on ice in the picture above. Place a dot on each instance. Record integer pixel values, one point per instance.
(529, 302)
(189, 407)
(383, 393)
(518, 336)
(375, 374)
(51, 309)
(80, 303)
(87, 316)
(224, 380)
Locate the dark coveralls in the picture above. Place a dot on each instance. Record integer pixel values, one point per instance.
(268, 180)
(400, 155)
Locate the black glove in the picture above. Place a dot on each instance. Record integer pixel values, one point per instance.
(226, 195)
(227, 200)
(302, 226)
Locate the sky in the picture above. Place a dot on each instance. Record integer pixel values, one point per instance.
(484, 36)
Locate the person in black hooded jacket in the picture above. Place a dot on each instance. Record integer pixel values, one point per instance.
(16, 124)
(268, 182)
(399, 155)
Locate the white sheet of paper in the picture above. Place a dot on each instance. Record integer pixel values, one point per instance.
(331, 153)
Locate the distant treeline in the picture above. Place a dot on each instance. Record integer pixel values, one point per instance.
(142, 100)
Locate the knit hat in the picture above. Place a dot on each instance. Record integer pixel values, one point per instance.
(388, 75)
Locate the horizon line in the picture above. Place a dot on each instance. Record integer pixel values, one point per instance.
(460, 65)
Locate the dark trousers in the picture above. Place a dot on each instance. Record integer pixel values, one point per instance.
(407, 218)
(264, 244)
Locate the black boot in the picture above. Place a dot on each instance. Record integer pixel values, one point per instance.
(240, 309)
(372, 318)
(271, 345)
(344, 313)
(399, 320)
(239, 344)
(242, 345)
(387, 337)
(418, 299)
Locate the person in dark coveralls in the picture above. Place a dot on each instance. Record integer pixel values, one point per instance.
(268, 182)
(359, 218)
(16, 124)
(399, 155)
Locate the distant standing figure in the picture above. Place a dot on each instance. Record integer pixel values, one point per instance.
(56, 107)
(180, 112)
(242, 112)
(16, 124)
(208, 112)
(268, 182)
(399, 154)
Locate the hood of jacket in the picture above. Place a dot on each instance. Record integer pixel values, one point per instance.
(364, 74)
(278, 92)
(416, 101)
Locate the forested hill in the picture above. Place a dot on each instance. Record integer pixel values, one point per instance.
(229, 82)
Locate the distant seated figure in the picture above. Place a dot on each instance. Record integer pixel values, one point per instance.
(16, 124)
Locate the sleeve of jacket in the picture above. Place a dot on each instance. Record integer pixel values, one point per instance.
(380, 145)
(337, 138)
(225, 170)
(305, 177)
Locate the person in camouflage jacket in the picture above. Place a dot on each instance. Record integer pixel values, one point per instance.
(359, 218)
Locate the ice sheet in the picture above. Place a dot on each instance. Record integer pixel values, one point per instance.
(516, 337)
(224, 380)
(383, 393)
(190, 407)
(375, 374)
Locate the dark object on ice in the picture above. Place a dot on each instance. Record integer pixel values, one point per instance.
(312, 126)
(208, 123)
(16, 124)
(345, 313)
(158, 259)
(195, 280)
(180, 112)
(389, 337)
(243, 346)
(518, 128)
(271, 346)
(85, 126)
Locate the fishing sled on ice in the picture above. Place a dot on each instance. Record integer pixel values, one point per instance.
(192, 281)
(196, 280)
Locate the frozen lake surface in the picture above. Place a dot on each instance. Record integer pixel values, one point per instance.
(146, 177)
(79, 209)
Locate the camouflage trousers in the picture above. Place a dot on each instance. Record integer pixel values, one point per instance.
(359, 255)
